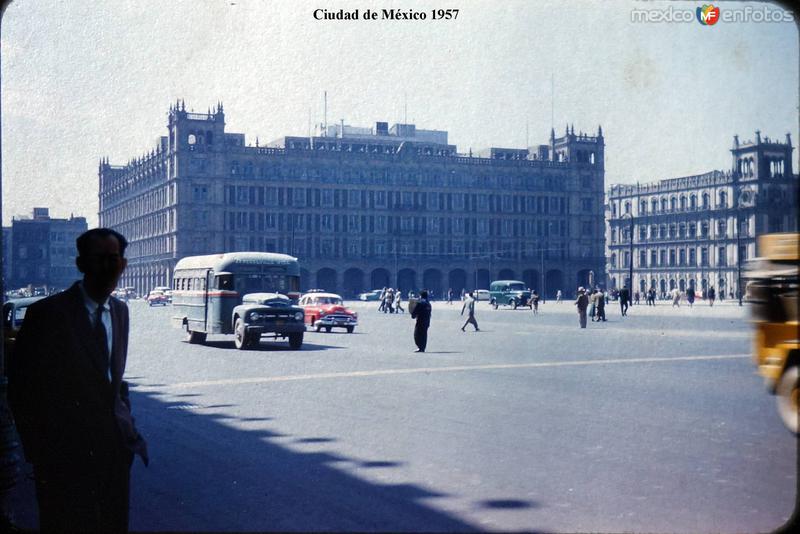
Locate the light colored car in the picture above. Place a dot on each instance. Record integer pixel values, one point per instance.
(375, 294)
(270, 314)
(482, 295)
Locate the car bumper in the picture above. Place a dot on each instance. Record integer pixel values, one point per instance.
(333, 321)
(288, 328)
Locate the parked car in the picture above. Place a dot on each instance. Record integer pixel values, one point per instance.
(326, 310)
(270, 314)
(375, 294)
(156, 297)
(13, 314)
(509, 292)
(482, 295)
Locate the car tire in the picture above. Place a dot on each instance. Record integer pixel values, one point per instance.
(787, 398)
(296, 341)
(493, 303)
(318, 328)
(192, 337)
(240, 338)
(513, 304)
(350, 329)
(328, 329)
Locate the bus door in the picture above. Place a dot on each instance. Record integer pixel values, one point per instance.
(208, 284)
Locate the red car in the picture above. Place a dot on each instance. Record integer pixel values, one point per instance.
(326, 310)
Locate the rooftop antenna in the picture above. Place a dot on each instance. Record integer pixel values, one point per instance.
(526, 134)
(552, 99)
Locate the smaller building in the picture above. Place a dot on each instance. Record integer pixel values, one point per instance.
(41, 251)
(695, 231)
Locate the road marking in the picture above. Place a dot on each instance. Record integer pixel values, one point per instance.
(426, 370)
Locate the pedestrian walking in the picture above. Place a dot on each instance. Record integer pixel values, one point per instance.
(69, 400)
(711, 296)
(463, 292)
(422, 313)
(582, 302)
(535, 300)
(398, 300)
(624, 297)
(469, 306)
(676, 297)
(558, 296)
(636, 298)
(601, 306)
(592, 304)
(382, 298)
(389, 301)
(450, 296)
(690, 296)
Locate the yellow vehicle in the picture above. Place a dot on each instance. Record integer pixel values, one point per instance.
(772, 290)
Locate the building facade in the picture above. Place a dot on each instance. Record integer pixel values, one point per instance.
(696, 231)
(362, 208)
(41, 251)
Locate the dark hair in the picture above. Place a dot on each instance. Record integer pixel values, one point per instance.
(85, 238)
(423, 294)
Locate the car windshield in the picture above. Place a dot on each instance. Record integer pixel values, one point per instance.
(516, 287)
(327, 300)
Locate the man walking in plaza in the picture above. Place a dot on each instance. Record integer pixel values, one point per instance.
(624, 298)
(422, 313)
(582, 302)
(69, 400)
(469, 305)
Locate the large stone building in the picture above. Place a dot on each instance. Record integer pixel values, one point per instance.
(362, 207)
(41, 251)
(684, 230)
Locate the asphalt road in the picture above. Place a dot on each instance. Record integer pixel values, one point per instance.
(651, 423)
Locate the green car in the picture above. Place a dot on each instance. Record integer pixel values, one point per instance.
(509, 292)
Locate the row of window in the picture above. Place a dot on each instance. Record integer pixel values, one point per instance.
(259, 221)
(361, 199)
(680, 231)
(330, 248)
(677, 258)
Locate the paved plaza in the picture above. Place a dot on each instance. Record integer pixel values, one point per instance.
(655, 422)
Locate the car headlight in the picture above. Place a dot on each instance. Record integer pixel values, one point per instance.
(255, 316)
(298, 316)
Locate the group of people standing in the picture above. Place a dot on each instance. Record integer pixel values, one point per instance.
(391, 301)
(594, 302)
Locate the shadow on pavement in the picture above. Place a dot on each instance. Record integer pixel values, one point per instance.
(206, 475)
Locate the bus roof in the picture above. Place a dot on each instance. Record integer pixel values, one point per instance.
(779, 247)
(223, 262)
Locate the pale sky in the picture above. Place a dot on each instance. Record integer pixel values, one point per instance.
(82, 80)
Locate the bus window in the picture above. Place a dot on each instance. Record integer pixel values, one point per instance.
(225, 281)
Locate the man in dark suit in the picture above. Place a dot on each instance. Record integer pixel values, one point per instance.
(69, 401)
(422, 313)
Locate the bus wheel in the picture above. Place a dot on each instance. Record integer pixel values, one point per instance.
(240, 338)
(296, 341)
(195, 338)
(788, 397)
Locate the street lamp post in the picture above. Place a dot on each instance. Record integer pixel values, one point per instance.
(742, 198)
(630, 254)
